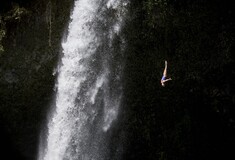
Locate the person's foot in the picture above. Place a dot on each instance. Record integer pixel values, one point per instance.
(165, 62)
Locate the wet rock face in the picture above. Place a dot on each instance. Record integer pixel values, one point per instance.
(31, 47)
(10, 77)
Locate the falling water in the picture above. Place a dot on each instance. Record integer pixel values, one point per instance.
(89, 83)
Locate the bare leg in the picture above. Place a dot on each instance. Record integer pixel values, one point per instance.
(165, 70)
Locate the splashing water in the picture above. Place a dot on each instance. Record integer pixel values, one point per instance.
(89, 89)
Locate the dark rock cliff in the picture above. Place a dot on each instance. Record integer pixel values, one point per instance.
(32, 48)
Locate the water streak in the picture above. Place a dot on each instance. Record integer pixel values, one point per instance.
(89, 89)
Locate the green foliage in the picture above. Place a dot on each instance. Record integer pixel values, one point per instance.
(2, 33)
(15, 14)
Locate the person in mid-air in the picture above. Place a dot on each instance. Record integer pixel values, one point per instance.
(164, 76)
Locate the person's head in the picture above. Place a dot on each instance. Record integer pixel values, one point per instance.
(163, 84)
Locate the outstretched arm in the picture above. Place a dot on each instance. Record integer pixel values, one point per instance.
(166, 80)
(165, 70)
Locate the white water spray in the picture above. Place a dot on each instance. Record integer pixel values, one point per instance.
(89, 90)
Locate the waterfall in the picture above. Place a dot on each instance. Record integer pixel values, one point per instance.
(89, 83)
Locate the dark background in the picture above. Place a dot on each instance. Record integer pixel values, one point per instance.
(193, 117)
